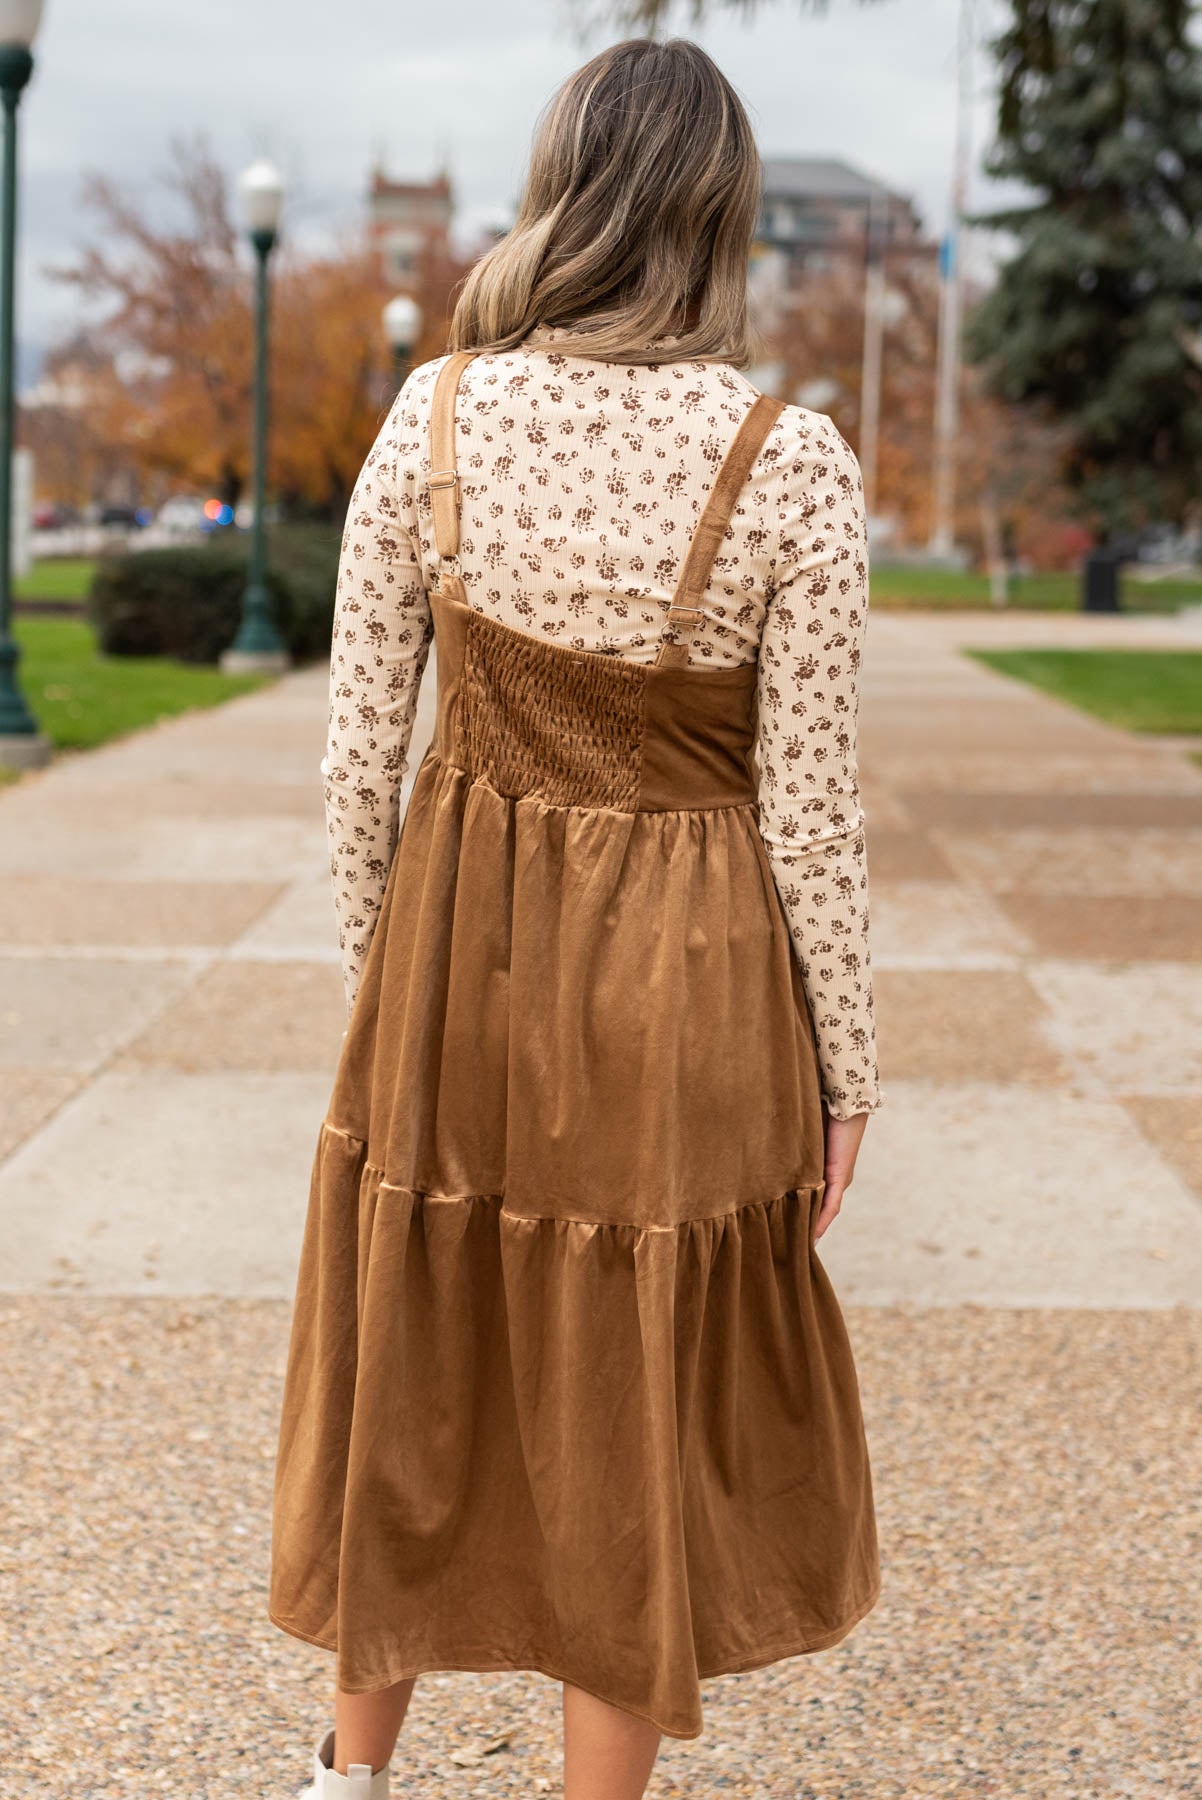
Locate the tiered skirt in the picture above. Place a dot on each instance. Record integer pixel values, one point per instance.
(569, 1389)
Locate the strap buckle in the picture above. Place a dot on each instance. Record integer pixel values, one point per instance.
(448, 565)
(442, 478)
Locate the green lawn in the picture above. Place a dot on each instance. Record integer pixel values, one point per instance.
(81, 698)
(1143, 690)
(57, 578)
(903, 589)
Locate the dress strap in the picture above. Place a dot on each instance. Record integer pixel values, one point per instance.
(685, 611)
(443, 479)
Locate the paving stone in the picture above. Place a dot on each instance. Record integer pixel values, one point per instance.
(975, 722)
(165, 1183)
(1001, 809)
(271, 1016)
(1109, 927)
(285, 721)
(1062, 630)
(904, 855)
(124, 847)
(933, 924)
(963, 1025)
(1129, 765)
(1012, 1196)
(27, 1098)
(882, 808)
(175, 796)
(301, 925)
(44, 910)
(220, 761)
(266, 727)
(1137, 1028)
(60, 1013)
(1174, 1125)
(1088, 860)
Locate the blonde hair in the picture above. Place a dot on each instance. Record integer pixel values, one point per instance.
(637, 218)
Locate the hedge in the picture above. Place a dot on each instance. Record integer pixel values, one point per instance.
(186, 602)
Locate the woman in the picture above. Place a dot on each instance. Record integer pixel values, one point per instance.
(568, 1387)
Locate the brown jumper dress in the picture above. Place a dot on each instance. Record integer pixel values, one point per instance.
(569, 1389)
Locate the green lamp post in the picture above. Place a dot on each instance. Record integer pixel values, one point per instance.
(258, 644)
(21, 744)
(402, 328)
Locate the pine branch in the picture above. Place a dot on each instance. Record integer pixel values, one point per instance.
(1097, 307)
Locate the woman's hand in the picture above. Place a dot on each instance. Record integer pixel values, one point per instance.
(843, 1138)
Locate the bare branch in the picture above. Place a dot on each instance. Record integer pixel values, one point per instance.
(652, 16)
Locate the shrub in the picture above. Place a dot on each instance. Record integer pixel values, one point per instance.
(186, 602)
(304, 560)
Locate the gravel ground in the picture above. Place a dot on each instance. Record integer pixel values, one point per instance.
(1038, 1489)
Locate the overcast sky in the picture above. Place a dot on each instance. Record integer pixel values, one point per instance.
(325, 90)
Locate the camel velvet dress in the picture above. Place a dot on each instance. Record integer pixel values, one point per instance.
(568, 1388)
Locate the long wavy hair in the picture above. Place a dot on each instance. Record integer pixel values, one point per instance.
(636, 221)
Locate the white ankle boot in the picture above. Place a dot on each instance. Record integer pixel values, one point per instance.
(357, 1784)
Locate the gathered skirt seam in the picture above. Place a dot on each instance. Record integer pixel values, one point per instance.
(750, 803)
(808, 1188)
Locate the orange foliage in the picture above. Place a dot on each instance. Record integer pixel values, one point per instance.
(1006, 459)
(171, 392)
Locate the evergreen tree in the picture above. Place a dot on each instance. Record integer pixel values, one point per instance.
(1096, 315)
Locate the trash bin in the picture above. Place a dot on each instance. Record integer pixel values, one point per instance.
(1100, 587)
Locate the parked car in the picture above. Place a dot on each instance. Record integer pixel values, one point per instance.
(1166, 545)
(244, 517)
(124, 516)
(182, 516)
(53, 515)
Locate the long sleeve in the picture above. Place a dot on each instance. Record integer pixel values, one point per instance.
(381, 640)
(810, 814)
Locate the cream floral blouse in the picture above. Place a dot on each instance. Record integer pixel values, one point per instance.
(583, 481)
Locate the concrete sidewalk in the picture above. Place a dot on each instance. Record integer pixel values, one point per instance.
(172, 996)
(1020, 1260)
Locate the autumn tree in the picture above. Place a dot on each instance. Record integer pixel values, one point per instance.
(1006, 473)
(175, 341)
(175, 325)
(64, 423)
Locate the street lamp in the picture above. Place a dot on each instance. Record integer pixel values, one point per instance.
(258, 644)
(21, 744)
(402, 328)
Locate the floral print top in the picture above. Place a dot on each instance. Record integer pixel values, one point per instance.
(583, 481)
